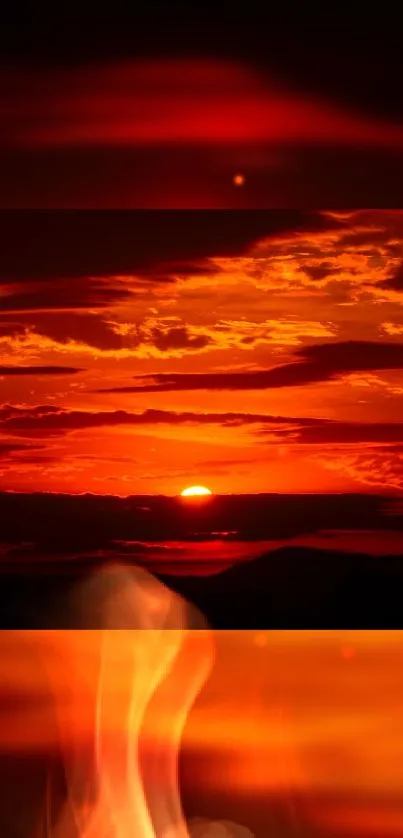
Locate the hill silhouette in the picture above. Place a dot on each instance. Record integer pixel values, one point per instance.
(290, 588)
(301, 588)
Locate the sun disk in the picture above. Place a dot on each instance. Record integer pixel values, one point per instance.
(195, 491)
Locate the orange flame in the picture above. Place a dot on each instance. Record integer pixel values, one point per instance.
(132, 698)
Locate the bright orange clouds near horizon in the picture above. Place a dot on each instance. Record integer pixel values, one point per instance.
(247, 352)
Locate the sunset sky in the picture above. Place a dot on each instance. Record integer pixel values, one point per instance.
(142, 352)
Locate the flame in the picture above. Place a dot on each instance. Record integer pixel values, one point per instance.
(134, 695)
(289, 730)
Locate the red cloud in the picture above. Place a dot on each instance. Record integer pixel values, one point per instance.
(171, 102)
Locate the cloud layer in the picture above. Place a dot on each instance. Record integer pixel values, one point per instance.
(322, 362)
(145, 347)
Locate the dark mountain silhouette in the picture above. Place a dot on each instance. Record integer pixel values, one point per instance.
(66, 523)
(290, 588)
(301, 588)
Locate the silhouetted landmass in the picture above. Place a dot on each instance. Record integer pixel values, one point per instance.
(291, 588)
(301, 588)
(53, 543)
(63, 523)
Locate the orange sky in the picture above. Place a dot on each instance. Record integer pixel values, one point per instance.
(298, 330)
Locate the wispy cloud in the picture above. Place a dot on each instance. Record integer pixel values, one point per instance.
(321, 362)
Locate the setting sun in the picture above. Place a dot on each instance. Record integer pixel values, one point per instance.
(194, 491)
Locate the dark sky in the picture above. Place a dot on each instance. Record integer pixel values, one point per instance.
(359, 55)
(162, 105)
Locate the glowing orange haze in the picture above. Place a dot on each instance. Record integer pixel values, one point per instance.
(283, 712)
(112, 690)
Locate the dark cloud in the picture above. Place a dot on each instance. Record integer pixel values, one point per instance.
(354, 355)
(178, 337)
(395, 282)
(7, 448)
(51, 420)
(322, 432)
(81, 261)
(45, 246)
(38, 370)
(92, 330)
(58, 420)
(318, 272)
(321, 362)
(61, 295)
(88, 329)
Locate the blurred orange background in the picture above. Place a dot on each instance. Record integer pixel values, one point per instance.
(312, 719)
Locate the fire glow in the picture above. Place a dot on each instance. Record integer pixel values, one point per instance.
(288, 730)
(122, 770)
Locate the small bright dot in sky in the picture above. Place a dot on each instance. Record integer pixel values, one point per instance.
(239, 180)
